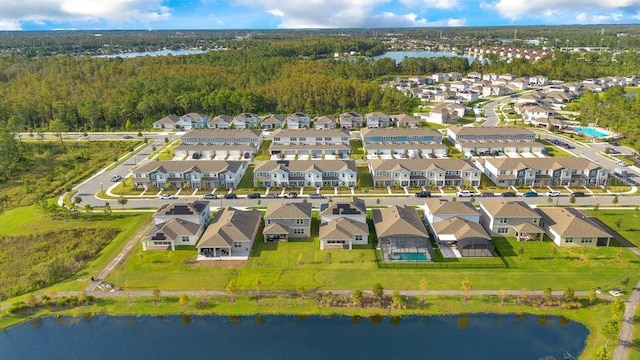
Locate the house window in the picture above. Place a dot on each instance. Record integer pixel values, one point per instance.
(299, 221)
(358, 238)
(502, 220)
(568, 240)
(298, 231)
(237, 245)
(586, 240)
(268, 221)
(503, 230)
(185, 238)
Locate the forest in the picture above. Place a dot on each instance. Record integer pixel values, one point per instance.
(67, 93)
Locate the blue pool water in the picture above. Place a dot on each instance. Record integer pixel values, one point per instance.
(589, 131)
(409, 256)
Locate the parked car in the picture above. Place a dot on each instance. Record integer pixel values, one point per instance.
(127, 137)
(210, 196)
(423, 194)
(614, 143)
(291, 195)
(508, 194)
(578, 194)
(464, 193)
(168, 197)
(530, 194)
(488, 194)
(552, 193)
(316, 196)
(115, 178)
(271, 196)
(231, 196)
(621, 163)
(616, 292)
(253, 196)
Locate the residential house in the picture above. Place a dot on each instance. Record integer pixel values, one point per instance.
(436, 210)
(550, 171)
(538, 80)
(167, 122)
(401, 234)
(195, 174)
(446, 113)
(283, 220)
(193, 120)
(230, 235)
(404, 120)
(272, 122)
(423, 172)
(459, 237)
(300, 173)
(220, 122)
(400, 136)
(324, 122)
(490, 77)
(462, 133)
(469, 95)
(511, 218)
(177, 225)
(474, 75)
(246, 121)
(351, 120)
(499, 147)
(535, 112)
(377, 120)
(311, 136)
(519, 83)
(571, 227)
(223, 137)
(298, 120)
(303, 151)
(495, 90)
(213, 152)
(343, 223)
(405, 150)
(507, 77)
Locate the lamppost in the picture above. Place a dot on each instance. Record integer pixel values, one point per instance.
(101, 189)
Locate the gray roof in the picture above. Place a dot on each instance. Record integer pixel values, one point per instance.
(571, 223)
(177, 209)
(398, 221)
(423, 131)
(325, 119)
(351, 206)
(170, 230)
(231, 225)
(342, 229)
(546, 163)
(222, 133)
(169, 119)
(186, 165)
(421, 164)
(461, 229)
(306, 165)
(444, 207)
(487, 130)
(311, 133)
(288, 210)
(509, 209)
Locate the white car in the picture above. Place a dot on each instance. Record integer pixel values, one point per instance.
(464, 193)
(616, 292)
(553, 193)
(167, 197)
(115, 178)
(621, 163)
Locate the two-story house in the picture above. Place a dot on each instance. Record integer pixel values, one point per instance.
(193, 121)
(223, 137)
(446, 113)
(298, 120)
(324, 122)
(220, 122)
(400, 136)
(167, 122)
(343, 223)
(457, 134)
(246, 121)
(272, 122)
(283, 220)
(377, 120)
(230, 235)
(351, 120)
(197, 174)
(423, 172)
(300, 173)
(511, 218)
(404, 120)
(177, 225)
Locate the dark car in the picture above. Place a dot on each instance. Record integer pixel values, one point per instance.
(316, 196)
(530, 194)
(487, 194)
(508, 194)
(128, 137)
(614, 143)
(423, 194)
(578, 194)
(253, 196)
(210, 196)
(291, 195)
(271, 196)
(231, 196)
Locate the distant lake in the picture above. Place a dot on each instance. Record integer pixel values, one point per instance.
(153, 53)
(399, 55)
(290, 337)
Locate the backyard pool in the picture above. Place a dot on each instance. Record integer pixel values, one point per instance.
(409, 256)
(589, 131)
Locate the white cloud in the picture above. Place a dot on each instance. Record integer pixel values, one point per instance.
(438, 4)
(598, 19)
(110, 11)
(9, 25)
(515, 9)
(456, 22)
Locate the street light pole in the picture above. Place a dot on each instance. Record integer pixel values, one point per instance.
(101, 189)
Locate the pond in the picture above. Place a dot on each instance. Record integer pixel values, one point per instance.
(295, 337)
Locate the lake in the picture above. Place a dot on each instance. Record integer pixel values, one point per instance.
(399, 55)
(153, 53)
(291, 337)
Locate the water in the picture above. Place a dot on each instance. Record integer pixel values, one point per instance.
(289, 337)
(399, 55)
(410, 256)
(153, 53)
(589, 131)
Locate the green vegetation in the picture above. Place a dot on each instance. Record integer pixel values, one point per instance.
(629, 225)
(263, 152)
(357, 151)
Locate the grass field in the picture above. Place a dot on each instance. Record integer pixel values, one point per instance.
(629, 222)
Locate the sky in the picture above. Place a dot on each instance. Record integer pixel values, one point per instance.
(291, 14)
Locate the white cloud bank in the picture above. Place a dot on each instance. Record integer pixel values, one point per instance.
(587, 11)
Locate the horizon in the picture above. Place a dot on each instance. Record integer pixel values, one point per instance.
(202, 15)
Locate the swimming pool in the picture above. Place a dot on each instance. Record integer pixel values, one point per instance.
(409, 256)
(589, 131)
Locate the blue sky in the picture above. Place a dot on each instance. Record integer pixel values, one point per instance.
(273, 14)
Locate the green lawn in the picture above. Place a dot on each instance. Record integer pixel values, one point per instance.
(263, 152)
(629, 222)
(364, 177)
(357, 152)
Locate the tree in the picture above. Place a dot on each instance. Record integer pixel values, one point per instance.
(57, 127)
(156, 296)
(596, 207)
(81, 296)
(257, 283)
(378, 291)
(466, 285)
(552, 252)
(231, 289)
(357, 298)
(122, 201)
(502, 294)
(77, 200)
(183, 300)
(592, 296)
(547, 295)
(107, 208)
(301, 291)
(600, 353)
(520, 253)
(618, 223)
(617, 308)
(424, 284)
(569, 295)
(88, 208)
(615, 199)
(611, 330)
(397, 301)
(572, 199)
